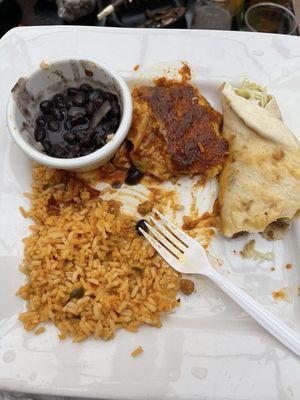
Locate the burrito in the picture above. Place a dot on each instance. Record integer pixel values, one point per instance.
(260, 182)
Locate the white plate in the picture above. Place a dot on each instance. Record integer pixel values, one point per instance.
(210, 348)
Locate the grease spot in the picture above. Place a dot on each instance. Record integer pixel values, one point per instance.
(199, 372)
(281, 294)
(9, 356)
(258, 52)
(33, 376)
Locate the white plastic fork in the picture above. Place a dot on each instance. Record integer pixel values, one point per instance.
(187, 256)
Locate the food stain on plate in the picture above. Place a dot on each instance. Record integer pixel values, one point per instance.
(33, 376)
(199, 372)
(281, 295)
(9, 356)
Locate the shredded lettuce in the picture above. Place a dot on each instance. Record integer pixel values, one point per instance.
(253, 91)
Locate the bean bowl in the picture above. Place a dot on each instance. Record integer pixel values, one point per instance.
(30, 107)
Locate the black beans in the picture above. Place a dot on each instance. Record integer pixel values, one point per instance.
(89, 109)
(85, 152)
(98, 103)
(74, 151)
(85, 88)
(58, 114)
(80, 99)
(141, 224)
(75, 148)
(106, 127)
(39, 133)
(97, 94)
(88, 140)
(65, 126)
(100, 130)
(69, 104)
(46, 106)
(129, 144)
(134, 175)
(41, 121)
(61, 105)
(68, 124)
(115, 109)
(114, 124)
(72, 91)
(100, 141)
(111, 97)
(58, 99)
(53, 125)
(70, 137)
(80, 121)
(58, 151)
(85, 137)
(47, 145)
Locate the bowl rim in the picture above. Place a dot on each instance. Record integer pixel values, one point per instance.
(69, 163)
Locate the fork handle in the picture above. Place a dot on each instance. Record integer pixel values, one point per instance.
(265, 318)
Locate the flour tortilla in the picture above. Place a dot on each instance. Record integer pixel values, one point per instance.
(260, 183)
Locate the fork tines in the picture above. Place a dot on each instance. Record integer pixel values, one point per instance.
(165, 235)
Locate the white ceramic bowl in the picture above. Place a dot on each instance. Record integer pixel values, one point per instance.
(52, 77)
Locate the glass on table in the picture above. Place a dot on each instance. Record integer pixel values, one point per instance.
(212, 15)
(270, 18)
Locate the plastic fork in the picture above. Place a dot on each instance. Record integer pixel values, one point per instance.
(187, 256)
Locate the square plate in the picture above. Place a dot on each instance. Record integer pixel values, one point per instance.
(210, 348)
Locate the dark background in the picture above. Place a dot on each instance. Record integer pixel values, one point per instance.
(44, 12)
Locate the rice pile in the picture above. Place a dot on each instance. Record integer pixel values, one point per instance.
(88, 271)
